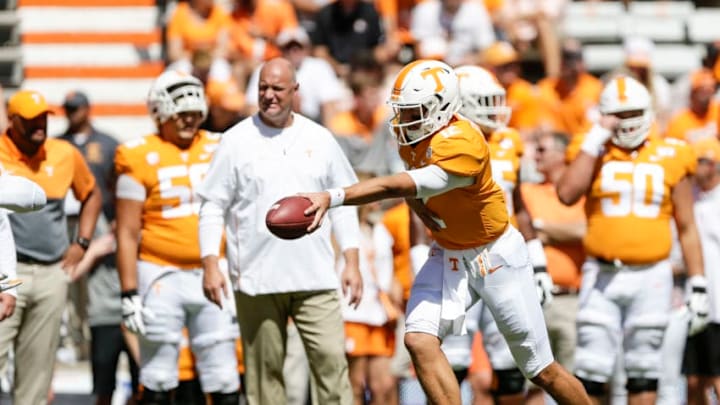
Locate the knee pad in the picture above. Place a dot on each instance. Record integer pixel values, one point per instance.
(150, 397)
(218, 398)
(507, 382)
(593, 388)
(637, 385)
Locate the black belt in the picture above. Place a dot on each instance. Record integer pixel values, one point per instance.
(25, 259)
(557, 290)
(618, 263)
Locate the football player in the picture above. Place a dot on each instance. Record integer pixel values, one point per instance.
(634, 185)
(476, 251)
(158, 248)
(483, 102)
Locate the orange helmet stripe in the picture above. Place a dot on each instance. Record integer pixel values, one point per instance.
(622, 94)
(397, 86)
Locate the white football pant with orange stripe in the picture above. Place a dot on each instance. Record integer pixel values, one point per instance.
(175, 299)
(622, 307)
(508, 290)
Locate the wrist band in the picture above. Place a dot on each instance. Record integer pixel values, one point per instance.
(337, 197)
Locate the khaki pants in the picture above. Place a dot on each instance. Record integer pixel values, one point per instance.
(560, 317)
(34, 330)
(317, 316)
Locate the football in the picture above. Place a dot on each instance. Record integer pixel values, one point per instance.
(286, 219)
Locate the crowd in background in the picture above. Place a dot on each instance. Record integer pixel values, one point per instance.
(346, 53)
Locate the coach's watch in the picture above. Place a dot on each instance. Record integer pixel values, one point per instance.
(83, 242)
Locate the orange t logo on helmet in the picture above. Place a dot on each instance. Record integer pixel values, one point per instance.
(622, 95)
(434, 73)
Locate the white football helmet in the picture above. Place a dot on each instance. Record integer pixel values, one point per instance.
(424, 98)
(623, 93)
(483, 98)
(174, 92)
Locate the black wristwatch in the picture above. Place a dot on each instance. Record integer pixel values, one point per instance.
(83, 242)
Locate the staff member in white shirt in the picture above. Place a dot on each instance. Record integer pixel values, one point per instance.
(701, 363)
(265, 157)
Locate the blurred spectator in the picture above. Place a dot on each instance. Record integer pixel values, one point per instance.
(561, 229)
(531, 23)
(255, 26)
(47, 259)
(317, 101)
(370, 327)
(226, 106)
(463, 26)
(102, 285)
(680, 88)
(96, 146)
(567, 101)
(199, 26)
(522, 97)
(700, 119)
(702, 352)
(362, 131)
(345, 28)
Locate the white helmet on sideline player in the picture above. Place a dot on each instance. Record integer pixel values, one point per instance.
(483, 98)
(424, 98)
(174, 92)
(623, 94)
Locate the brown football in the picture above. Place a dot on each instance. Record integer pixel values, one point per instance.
(286, 218)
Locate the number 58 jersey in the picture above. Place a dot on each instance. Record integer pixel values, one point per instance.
(168, 175)
(629, 204)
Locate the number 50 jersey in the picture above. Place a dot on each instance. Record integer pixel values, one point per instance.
(629, 204)
(169, 176)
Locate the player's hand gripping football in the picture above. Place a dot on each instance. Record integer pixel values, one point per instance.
(320, 205)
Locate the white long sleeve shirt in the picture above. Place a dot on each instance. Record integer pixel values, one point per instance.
(256, 165)
(707, 218)
(8, 261)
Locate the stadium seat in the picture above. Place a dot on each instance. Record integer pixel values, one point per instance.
(663, 8)
(704, 25)
(656, 28)
(670, 60)
(593, 21)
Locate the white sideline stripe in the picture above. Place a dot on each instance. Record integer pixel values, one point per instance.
(122, 128)
(84, 54)
(116, 91)
(87, 19)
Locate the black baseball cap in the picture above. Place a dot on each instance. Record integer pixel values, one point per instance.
(76, 99)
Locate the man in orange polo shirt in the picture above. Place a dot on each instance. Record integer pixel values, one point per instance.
(700, 119)
(46, 257)
(561, 229)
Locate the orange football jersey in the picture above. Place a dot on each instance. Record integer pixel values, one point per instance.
(629, 200)
(170, 212)
(506, 149)
(473, 215)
